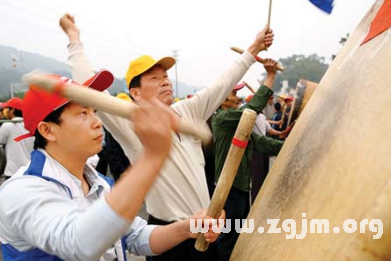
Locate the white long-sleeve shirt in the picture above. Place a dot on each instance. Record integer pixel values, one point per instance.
(17, 153)
(261, 126)
(181, 189)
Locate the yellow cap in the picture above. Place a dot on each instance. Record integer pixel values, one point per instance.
(124, 96)
(144, 63)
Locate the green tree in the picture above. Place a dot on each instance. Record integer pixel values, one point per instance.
(299, 66)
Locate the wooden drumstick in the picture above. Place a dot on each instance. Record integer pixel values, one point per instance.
(107, 103)
(231, 166)
(279, 67)
(270, 14)
(249, 87)
(268, 18)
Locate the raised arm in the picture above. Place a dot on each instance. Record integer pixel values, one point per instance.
(80, 67)
(209, 98)
(271, 68)
(81, 70)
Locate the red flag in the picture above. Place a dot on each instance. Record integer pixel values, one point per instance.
(381, 22)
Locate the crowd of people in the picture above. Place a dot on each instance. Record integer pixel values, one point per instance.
(57, 204)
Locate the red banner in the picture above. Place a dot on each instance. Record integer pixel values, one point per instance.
(381, 22)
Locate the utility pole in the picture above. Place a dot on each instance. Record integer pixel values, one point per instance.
(12, 90)
(14, 59)
(175, 55)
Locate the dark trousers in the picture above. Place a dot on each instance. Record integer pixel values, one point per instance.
(102, 165)
(185, 251)
(237, 206)
(260, 169)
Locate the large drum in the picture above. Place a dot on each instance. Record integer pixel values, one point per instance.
(335, 167)
(303, 93)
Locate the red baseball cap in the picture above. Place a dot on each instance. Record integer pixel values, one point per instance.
(38, 104)
(239, 86)
(15, 103)
(289, 98)
(248, 99)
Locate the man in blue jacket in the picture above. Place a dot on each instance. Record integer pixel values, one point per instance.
(60, 208)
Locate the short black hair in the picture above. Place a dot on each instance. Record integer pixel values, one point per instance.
(54, 116)
(277, 106)
(136, 82)
(18, 113)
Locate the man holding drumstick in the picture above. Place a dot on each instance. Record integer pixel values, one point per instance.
(181, 188)
(59, 208)
(225, 123)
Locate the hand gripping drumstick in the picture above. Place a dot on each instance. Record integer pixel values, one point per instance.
(106, 103)
(231, 165)
(259, 59)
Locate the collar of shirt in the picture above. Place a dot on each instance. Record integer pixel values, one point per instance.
(54, 170)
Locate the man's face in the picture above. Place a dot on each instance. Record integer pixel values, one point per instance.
(154, 83)
(80, 131)
(232, 101)
(270, 101)
(6, 113)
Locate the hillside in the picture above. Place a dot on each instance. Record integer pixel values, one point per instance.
(26, 62)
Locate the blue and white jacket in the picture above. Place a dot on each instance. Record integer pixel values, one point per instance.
(45, 216)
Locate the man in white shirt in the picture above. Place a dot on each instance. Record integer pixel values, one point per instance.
(181, 187)
(17, 153)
